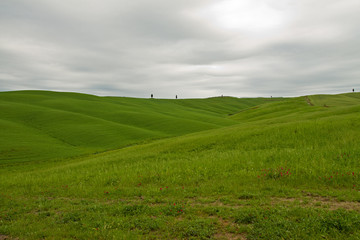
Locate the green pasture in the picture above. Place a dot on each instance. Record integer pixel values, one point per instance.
(40, 125)
(76, 166)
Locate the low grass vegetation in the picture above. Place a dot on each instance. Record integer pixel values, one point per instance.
(76, 166)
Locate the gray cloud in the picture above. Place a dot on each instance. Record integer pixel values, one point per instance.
(190, 48)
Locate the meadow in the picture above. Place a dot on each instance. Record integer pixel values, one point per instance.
(77, 166)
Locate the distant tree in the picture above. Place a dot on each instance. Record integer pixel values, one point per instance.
(176, 96)
(353, 90)
(152, 95)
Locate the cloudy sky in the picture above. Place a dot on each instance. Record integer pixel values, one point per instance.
(192, 48)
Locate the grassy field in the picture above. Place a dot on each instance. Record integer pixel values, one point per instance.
(77, 166)
(40, 125)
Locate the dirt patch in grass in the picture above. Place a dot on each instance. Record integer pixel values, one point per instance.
(309, 101)
(307, 201)
(215, 203)
(320, 202)
(4, 237)
(225, 225)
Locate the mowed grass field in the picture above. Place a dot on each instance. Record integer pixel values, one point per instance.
(77, 166)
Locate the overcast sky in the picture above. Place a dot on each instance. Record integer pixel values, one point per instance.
(189, 48)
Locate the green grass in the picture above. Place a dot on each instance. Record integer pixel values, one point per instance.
(43, 125)
(188, 169)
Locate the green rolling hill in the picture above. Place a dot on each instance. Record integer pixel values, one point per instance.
(76, 166)
(39, 125)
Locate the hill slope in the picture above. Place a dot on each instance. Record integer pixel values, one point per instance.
(41, 125)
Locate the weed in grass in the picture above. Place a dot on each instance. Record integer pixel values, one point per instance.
(275, 173)
(349, 179)
(174, 210)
